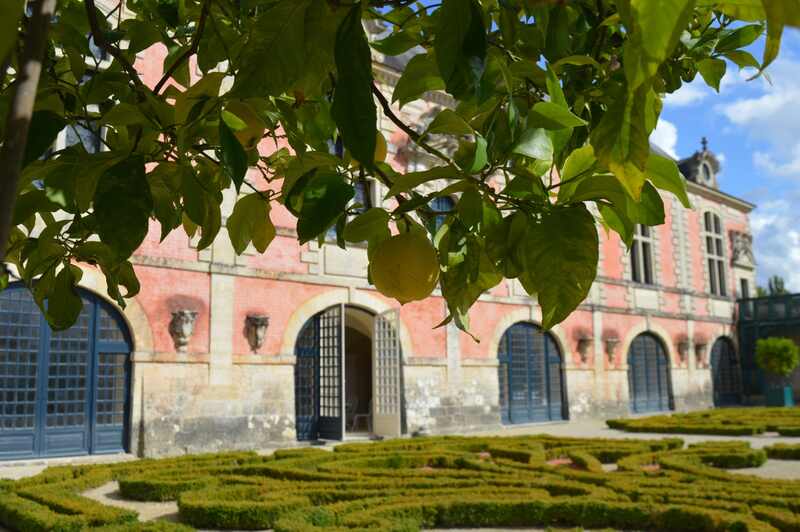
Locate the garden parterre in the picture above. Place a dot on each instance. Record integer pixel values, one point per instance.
(720, 421)
(435, 482)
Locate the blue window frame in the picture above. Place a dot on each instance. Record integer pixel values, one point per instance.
(62, 393)
(443, 204)
(530, 376)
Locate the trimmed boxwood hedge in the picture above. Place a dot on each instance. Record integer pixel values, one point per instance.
(720, 422)
(405, 485)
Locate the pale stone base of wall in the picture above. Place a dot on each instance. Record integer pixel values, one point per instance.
(179, 408)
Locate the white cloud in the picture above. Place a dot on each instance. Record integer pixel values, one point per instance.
(776, 234)
(665, 136)
(771, 116)
(688, 94)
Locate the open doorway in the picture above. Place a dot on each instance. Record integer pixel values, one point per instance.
(348, 375)
(358, 379)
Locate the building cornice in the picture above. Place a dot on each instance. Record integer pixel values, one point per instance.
(719, 196)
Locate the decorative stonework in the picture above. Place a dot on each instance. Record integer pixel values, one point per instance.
(583, 339)
(682, 344)
(700, 351)
(611, 340)
(181, 328)
(742, 250)
(255, 329)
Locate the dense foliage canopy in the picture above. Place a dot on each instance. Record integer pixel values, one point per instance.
(779, 356)
(553, 106)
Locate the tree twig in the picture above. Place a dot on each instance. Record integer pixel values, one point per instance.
(20, 113)
(100, 40)
(413, 135)
(201, 24)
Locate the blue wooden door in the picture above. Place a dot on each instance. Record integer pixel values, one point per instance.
(319, 377)
(648, 375)
(530, 376)
(725, 374)
(62, 393)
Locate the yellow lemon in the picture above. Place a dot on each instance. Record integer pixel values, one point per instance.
(405, 267)
(254, 128)
(380, 151)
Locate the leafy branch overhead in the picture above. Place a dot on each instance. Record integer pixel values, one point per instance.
(275, 103)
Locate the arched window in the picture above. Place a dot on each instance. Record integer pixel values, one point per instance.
(62, 392)
(715, 255)
(649, 379)
(530, 376)
(726, 375)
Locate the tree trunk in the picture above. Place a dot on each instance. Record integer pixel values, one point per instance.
(18, 121)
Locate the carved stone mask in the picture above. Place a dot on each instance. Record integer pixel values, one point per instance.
(256, 331)
(181, 328)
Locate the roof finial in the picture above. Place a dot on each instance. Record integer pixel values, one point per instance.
(704, 143)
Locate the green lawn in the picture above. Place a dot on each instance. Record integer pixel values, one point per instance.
(720, 421)
(435, 482)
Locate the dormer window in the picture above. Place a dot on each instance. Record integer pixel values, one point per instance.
(707, 175)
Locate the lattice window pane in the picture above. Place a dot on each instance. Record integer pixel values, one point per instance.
(111, 388)
(19, 351)
(68, 364)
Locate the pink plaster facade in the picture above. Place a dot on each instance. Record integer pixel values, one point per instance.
(224, 392)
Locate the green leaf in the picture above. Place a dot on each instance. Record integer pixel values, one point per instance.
(650, 209)
(411, 180)
(536, 144)
(654, 28)
(250, 222)
(621, 139)
(421, 75)
(324, 199)
(234, 158)
(274, 56)
(739, 38)
(30, 203)
(470, 207)
(575, 60)
(616, 220)
(369, 225)
(10, 13)
(449, 122)
(577, 167)
(479, 157)
(743, 59)
(460, 46)
(122, 200)
(64, 305)
(353, 107)
(125, 114)
(396, 43)
(44, 128)
(664, 174)
(560, 253)
(712, 71)
(549, 115)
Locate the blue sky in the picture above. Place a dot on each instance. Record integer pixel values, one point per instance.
(754, 128)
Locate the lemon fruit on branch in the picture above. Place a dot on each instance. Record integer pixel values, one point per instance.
(405, 267)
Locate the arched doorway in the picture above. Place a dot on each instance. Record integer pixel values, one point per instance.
(726, 375)
(348, 375)
(531, 376)
(648, 375)
(63, 393)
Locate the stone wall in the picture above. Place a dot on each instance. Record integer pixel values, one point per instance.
(177, 409)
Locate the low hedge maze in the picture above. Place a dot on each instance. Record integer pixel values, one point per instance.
(436, 482)
(722, 421)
